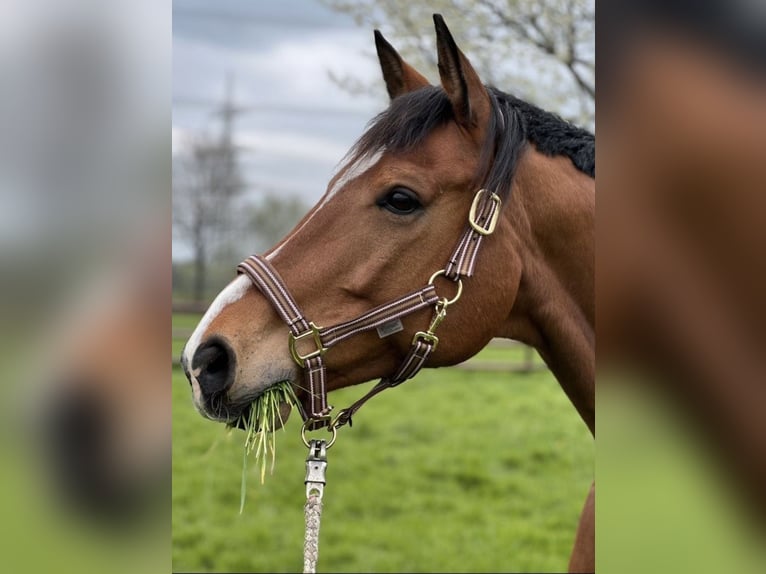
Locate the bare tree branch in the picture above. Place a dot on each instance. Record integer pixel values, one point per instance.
(205, 182)
(529, 46)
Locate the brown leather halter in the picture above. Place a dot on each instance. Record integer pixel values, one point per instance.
(482, 220)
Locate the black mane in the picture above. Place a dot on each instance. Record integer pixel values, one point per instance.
(513, 123)
(553, 135)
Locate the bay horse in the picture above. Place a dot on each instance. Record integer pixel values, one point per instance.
(457, 163)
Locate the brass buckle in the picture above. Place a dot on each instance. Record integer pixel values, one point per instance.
(427, 337)
(490, 227)
(314, 333)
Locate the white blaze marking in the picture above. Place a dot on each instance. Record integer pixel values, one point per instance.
(231, 293)
(349, 173)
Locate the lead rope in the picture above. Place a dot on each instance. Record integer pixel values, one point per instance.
(313, 511)
(316, 468)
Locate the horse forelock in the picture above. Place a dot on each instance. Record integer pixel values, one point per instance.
(407, 122)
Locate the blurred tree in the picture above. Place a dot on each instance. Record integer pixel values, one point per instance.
(540, 50)
(272, 218)
(206, 180)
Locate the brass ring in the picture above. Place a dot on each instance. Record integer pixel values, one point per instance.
(448, 302)
(333, 430)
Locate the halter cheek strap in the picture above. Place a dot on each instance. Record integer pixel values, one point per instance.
(308, 343)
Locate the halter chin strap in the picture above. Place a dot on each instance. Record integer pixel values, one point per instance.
(308, 343)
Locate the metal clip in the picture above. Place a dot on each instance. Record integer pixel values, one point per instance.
(316, 466)
(439, 314)
(429, 336)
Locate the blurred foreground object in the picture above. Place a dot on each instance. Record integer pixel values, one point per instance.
(85, 259)
(681, 273)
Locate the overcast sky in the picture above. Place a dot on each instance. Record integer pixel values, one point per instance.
(298, 124)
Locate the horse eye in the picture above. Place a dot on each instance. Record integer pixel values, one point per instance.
(400, 201)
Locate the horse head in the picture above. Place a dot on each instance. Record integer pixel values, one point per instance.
(389, 219)
(405, 195)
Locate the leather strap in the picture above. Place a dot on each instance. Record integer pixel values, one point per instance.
(419, 299)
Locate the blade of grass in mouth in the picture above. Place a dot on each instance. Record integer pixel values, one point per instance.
(260, 424)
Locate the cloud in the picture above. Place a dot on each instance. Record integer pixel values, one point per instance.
(293, 145)
(296, 123)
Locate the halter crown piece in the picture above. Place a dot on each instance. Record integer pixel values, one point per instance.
(308, 342)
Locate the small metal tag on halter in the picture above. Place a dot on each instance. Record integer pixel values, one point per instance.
(390, 328)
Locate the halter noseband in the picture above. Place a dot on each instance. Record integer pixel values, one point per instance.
(482, 220)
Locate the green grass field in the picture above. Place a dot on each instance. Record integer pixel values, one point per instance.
(452, 472)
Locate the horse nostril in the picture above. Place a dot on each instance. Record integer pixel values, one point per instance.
(213, 364)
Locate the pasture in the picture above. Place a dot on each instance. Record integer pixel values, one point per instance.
(454, 471)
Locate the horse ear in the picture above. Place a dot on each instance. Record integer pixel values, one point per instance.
(468, 95)
(399, 76)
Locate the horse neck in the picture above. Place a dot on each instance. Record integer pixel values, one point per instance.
(553, 215)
